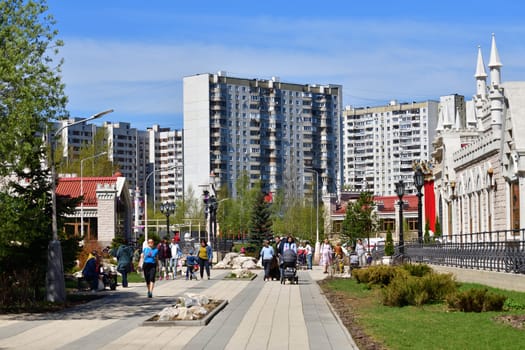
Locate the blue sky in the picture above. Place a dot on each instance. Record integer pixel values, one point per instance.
(131, 55)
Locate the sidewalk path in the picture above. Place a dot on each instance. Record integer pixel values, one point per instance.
(260, 315)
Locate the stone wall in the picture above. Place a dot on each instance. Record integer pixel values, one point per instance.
(107, 202)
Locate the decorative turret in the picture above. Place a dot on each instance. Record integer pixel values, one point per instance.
(481, 77)
(495, 64)
(496, 95)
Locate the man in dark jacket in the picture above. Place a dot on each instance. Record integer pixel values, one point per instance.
(164, 258)
(124, 258)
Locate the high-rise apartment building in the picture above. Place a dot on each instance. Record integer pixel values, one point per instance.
(381, 143)
(128, 150)
(166, 158)
(278, 133)
(136, 154)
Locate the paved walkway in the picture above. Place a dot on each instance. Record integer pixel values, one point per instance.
(495, 279)
(260, 315)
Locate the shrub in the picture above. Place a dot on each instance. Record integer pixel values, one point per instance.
(476, 300)
(413, 290)
(511, 304)
(376, 275)
(418, 270)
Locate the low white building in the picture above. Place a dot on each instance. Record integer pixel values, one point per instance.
(106, 210)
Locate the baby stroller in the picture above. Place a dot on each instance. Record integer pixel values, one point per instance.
(289, 267)
(301, 258)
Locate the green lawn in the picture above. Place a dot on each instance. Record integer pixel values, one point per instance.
(133, 277)
(432, 326)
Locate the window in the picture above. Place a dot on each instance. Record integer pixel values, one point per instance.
(388, 225)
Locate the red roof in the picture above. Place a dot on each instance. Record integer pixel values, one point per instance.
(70, 186)
(386, 204)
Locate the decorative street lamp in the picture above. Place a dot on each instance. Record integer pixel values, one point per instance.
(206, 199)
(167, 209)
(418, 181)
(55, 284)
(212, 210)
(400, 191)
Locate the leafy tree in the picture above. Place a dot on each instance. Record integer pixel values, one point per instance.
(234, 214)
(361, 219)
(93, 166)
(31, 95)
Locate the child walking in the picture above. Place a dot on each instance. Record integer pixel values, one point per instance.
(191, 261)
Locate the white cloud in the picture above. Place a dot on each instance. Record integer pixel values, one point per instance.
(374, 61)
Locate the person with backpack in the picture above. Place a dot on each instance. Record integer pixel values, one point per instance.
(164, 258)
(90, 271)
(124, 257)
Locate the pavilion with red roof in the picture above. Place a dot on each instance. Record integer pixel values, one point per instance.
(105, 211)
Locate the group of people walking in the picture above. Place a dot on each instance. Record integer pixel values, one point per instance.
(272, 256)
(163, 257)
(328, 255)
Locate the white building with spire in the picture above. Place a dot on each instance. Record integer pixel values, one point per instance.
(479, 156)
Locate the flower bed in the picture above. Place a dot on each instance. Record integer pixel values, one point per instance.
(188, 310)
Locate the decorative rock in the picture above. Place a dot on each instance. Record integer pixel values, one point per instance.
(249, 264)
(168, 313)
(220, 265)
(236, 261)
(198, 310)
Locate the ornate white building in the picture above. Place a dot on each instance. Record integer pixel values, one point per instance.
(479, 157)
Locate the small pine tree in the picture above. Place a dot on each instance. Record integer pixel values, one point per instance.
(438, 232)
(389, 244)
(426, 235)
(261, 223)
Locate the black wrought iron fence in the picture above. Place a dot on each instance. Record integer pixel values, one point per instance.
(494, 251)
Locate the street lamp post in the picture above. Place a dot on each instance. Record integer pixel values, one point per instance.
(55, 284)
(317, 243)
(167, 209)
(212, 210)
(400, 191)
(418, 181)
(82, 191)
(146, 201)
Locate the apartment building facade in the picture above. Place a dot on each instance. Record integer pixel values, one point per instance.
(381, 143)
(282, 134)
(154, 154)
(166, 157)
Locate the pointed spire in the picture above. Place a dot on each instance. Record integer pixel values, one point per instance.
(494, 55)
(480, 67)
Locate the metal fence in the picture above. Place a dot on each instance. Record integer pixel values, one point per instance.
(495, 251)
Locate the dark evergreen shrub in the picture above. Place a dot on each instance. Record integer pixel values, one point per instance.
(476, 300)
